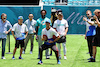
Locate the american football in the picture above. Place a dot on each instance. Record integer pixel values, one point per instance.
(45, 37)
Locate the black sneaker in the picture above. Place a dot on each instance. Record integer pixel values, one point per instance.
(92, 60)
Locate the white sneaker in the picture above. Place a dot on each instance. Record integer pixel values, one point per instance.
(59, 57)
(3, 58)
(30, 52)
(23, 52)
(65, 57)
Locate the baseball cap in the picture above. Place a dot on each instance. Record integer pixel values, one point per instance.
(48, 20)
(59, 10)
(20, 17)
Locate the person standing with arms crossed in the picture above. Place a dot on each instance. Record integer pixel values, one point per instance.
(39, 26)
(30, 23)
(4, 24)
(61, 27)
(20, 30)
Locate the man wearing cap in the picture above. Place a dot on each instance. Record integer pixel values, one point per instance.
(20, 30)
(61, 27)
(4, 25)
(39, 26)
(49, 41)
(30, 23)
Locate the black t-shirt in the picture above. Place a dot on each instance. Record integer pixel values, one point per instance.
(98, 29)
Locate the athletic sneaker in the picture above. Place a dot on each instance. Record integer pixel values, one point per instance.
(40, 62)
(3, 57)
(13, 58)
(23, 52)
(58, 62)
(59, 57)
(20, 58)
(92, 60)
(65, 57)
(47, 57)
(30, 52)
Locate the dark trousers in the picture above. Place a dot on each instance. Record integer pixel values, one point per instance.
(44, 47)
(3, 45)
(90, 46)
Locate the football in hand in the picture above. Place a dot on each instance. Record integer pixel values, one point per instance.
(54, 37)
(45, 37)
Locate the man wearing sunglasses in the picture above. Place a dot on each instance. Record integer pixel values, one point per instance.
(90, 31)
(4, 25)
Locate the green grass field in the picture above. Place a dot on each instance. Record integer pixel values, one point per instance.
(76, 55)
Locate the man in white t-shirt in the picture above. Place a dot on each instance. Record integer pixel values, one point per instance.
(49, 36)
(61, 27)
(20, 30)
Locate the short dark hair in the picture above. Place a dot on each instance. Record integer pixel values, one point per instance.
(43, 10)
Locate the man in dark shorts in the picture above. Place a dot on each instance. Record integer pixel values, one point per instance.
(96, 39)
(48, 34)
(20, 30)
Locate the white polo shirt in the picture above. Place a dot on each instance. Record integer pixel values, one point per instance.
(19, 29)
(60, 26)
(49, 33)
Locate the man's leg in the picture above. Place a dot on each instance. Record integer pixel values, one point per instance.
(94, 51)
(64, 49)
(3, 46)
(41, 48)
(39, 44)
(14, 51)
(55, 49)
(32, 43)
(47, 54)
(59, 47)
(22, 46)
(26, 41)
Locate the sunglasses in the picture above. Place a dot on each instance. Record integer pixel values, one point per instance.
(87, 14)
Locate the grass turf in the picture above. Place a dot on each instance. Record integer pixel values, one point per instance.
(76, 55)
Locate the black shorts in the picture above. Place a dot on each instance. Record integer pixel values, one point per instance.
(19, 42)
(96, 41)
(62, 39)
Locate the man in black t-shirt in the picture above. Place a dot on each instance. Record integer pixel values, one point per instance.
(96, 39)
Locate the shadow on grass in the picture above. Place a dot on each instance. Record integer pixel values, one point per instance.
(48, 64)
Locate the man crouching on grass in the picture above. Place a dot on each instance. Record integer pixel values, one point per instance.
(49, 36)
(20, 29)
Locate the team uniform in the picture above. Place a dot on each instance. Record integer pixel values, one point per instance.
(19, 34)
(96, 39)
(90, 32)
(31, 27)
(41, 25)
(49, 33)
(60, 26)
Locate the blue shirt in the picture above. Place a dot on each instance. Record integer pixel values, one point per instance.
(41, 24)
(3, 28)
(92, 31)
